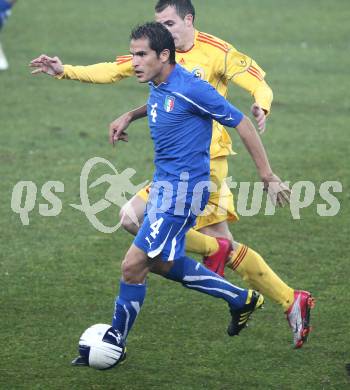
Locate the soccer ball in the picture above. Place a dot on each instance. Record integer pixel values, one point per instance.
(102, 346)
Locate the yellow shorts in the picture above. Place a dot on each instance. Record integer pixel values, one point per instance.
(220, 206)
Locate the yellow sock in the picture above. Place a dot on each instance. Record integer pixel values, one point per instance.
(253, 269)
(197, 242)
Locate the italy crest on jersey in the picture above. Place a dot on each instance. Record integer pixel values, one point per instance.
(169, 103)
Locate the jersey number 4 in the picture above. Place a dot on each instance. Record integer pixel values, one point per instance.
(155, 227)
(155, 230)
(154, 112)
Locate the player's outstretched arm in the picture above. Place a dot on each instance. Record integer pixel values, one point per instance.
(118, 126)
(101, 73)
(44, 64)
(278, 192)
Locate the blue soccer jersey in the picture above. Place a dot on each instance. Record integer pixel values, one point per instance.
(180, 114)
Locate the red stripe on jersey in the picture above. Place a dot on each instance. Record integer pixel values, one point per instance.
(119, 62)
(255, 73)
(212, 40)
(224, 49)
(254, 68)
(252, 71)
(220, 45)
(123, 58)
(205, 34)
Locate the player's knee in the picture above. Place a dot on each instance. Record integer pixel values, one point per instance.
(134, 269)
(129, 265)
(127, 271)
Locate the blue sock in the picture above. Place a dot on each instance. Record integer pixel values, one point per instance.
(195, 276)
(127, 306)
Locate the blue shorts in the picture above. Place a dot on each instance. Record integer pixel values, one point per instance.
(164, 237)
(168, 217)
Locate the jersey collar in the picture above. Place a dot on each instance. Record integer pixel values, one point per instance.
(169, 80)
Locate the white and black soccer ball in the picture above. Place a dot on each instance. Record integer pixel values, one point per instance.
(102, 346)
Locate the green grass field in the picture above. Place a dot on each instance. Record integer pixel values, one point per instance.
(58, 275)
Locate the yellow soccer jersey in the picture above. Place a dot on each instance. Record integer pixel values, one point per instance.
(210, 58)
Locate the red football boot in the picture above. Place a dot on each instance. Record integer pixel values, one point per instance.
(217, 261)
(298, 317)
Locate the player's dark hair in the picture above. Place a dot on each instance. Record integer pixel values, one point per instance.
(159, 38)
(183, 7)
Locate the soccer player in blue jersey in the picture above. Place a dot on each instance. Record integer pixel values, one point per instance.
(219, 63)
(5, 9)
(180, 112)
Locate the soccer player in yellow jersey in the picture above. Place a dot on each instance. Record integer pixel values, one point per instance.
(219, 63)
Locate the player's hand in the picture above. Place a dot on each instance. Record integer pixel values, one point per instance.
(45, 64)
(260, 117)
(278, 192)
(117, 129)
